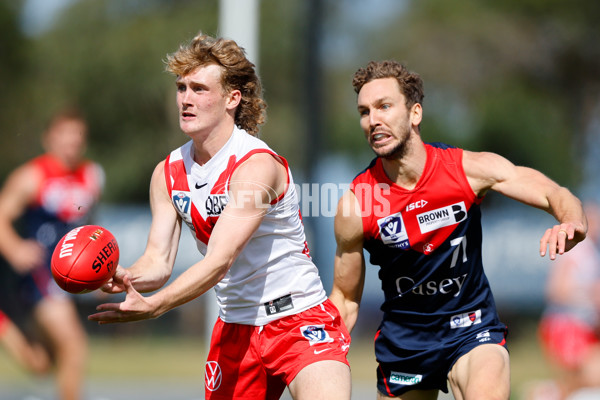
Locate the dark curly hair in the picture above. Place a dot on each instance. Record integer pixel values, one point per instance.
(238, 74)
(410, 83)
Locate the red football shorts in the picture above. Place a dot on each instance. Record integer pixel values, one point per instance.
(566, 340)
(258, 362)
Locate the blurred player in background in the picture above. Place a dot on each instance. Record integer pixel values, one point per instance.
(415, 209)
(31, 355)
(275, 326)
(570, 326)
(40, 202)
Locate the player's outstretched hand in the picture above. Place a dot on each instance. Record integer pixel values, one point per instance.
(561, 238)
(135, 307)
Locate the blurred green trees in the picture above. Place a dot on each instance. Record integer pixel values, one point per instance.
(520, 78)
(517, 77)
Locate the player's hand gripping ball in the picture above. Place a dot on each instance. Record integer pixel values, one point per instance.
(85, 259)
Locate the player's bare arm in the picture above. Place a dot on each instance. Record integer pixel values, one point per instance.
(17, 193)
(487, 171)
(152, 270)
(238, 221)
(349, 263)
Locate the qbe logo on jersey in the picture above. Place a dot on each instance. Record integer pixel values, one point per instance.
(445, 216)
(393, 232)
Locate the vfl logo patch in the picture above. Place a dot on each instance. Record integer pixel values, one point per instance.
(315, 334)
(445, 216)
(392, 231)
(402, 378)
(465, 320)
(212, 376)
(182, 202)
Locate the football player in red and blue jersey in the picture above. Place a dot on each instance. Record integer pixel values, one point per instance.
(40, 202)
(415, 209)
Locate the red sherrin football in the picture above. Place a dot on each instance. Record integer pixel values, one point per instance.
(85, 259)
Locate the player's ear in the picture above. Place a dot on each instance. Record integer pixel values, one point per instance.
(233, 99)
(416, 114)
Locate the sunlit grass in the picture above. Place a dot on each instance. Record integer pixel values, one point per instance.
(181, 359)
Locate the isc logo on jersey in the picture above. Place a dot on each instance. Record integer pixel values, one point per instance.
(393, 232)
(441, 217)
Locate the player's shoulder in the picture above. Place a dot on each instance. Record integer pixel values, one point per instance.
(262, 167)
(159, 168)
(367, 173)
(159, 175)
(348, 217)
(159, 183)
(441, 145)
(253, 154)
(243, 137)
(444, 151)
(481, 161)
(29, 174)
(24, 183)
(472, 161)
(180, 152)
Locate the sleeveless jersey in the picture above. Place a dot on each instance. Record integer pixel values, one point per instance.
(274, 275)
(63, 201)
(427, 242)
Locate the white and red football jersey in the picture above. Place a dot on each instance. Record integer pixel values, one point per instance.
(274, 275)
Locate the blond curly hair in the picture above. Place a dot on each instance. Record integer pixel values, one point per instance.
(238, 74)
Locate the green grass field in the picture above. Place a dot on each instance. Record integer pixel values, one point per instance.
(178, 359)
